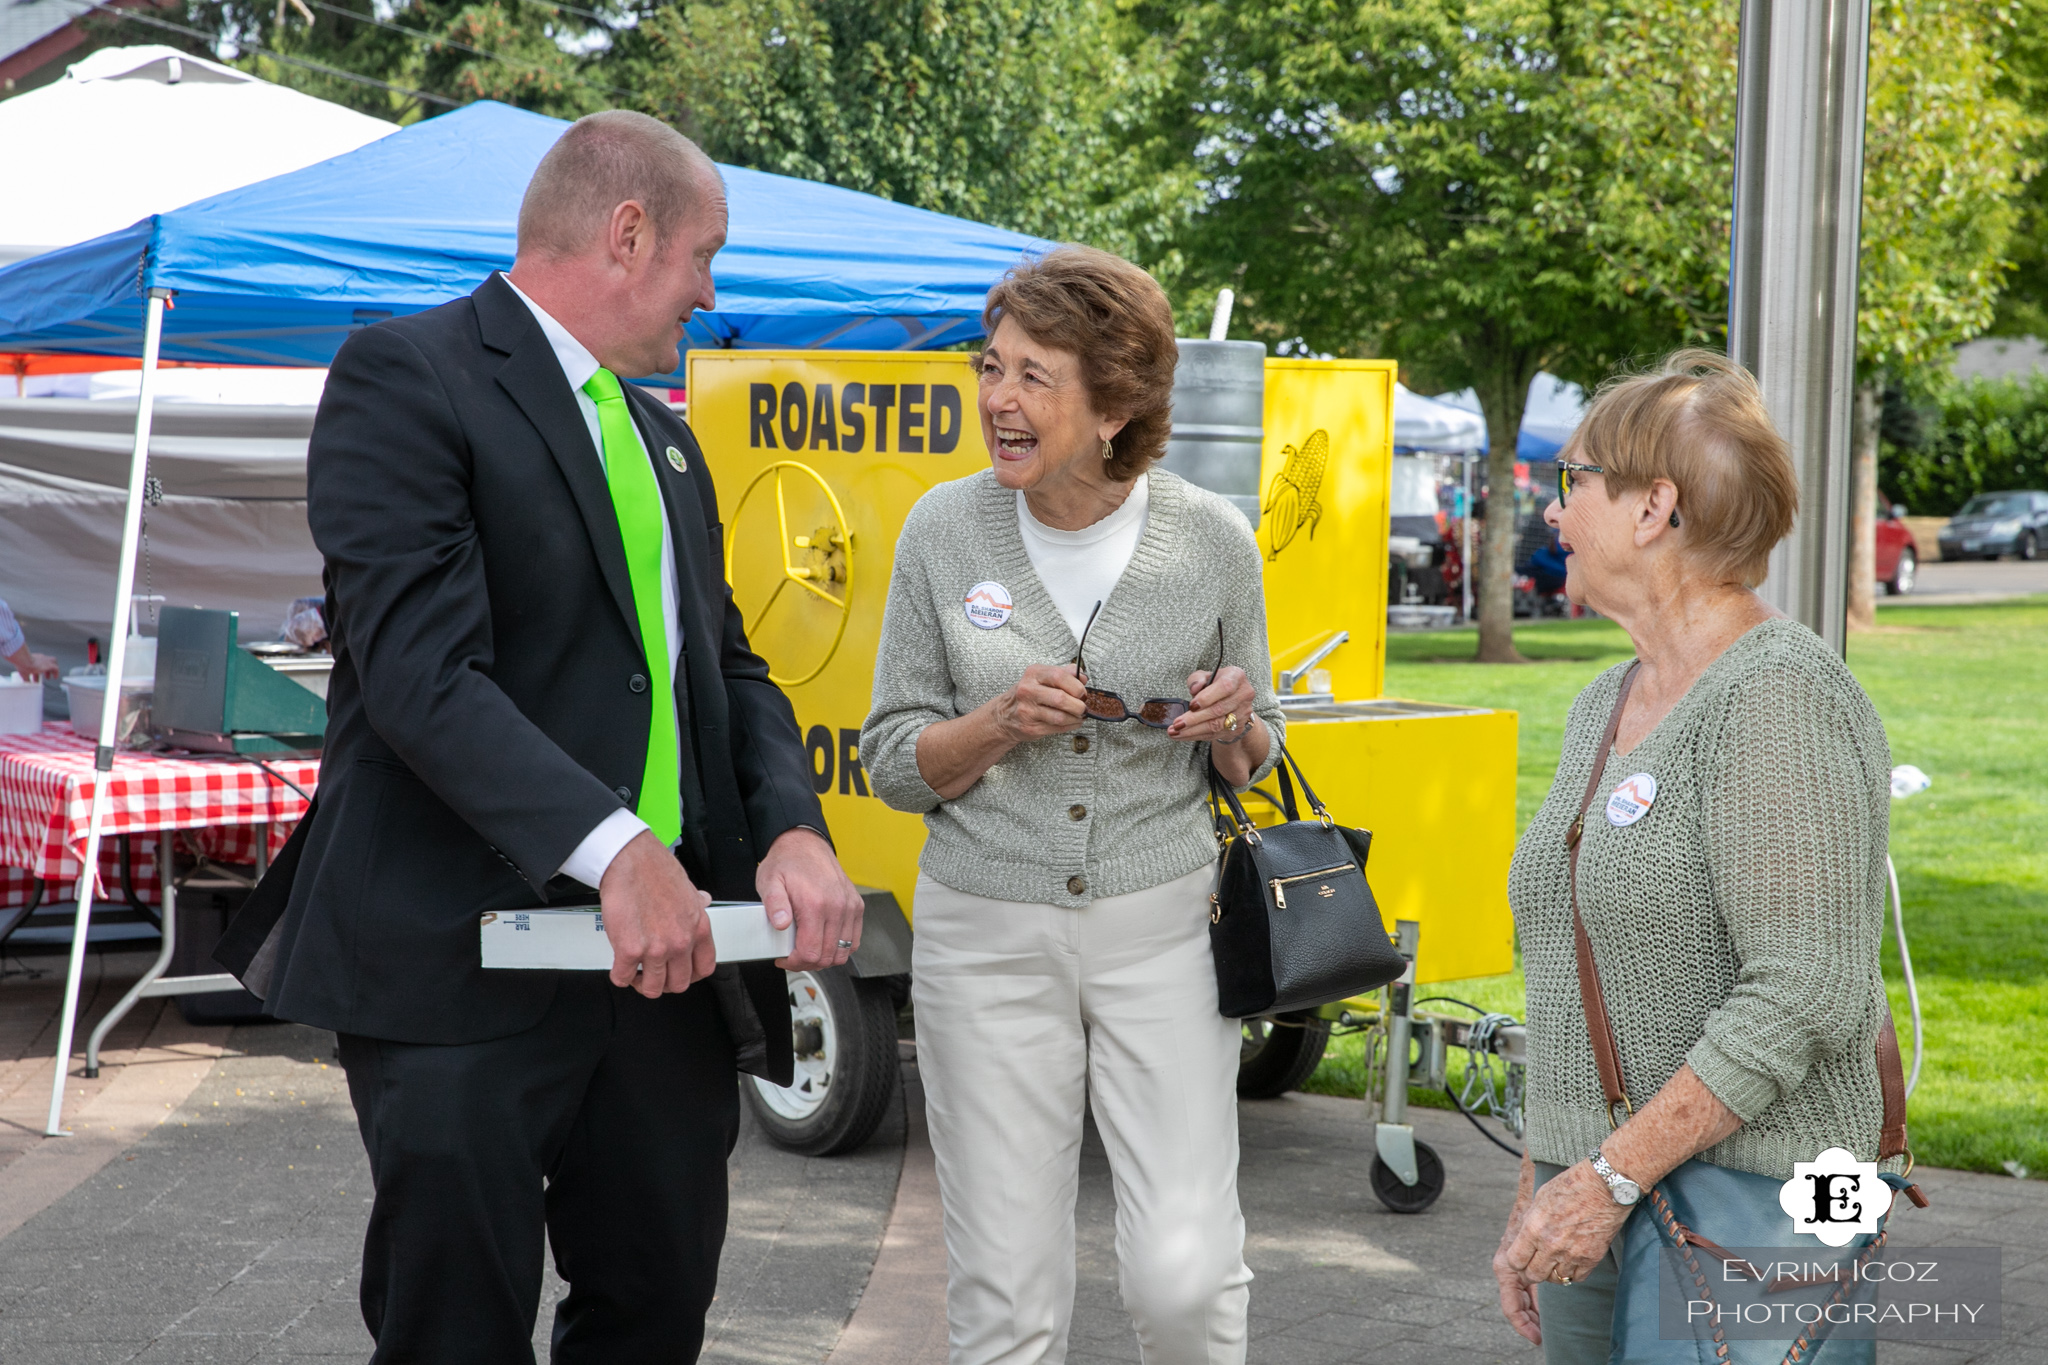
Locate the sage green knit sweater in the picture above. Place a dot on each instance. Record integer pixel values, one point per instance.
(1736, 925)
(1108, 809)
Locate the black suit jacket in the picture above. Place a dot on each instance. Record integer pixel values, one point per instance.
(489, 701)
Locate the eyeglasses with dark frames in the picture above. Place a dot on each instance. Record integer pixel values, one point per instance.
(1565, 470)
(1157, 712)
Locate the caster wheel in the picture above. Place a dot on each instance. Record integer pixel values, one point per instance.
(1429, 1182)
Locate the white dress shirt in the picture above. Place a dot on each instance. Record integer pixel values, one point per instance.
(1081, 568)
(588, 863)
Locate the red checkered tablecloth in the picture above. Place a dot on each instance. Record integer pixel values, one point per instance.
(46, 790)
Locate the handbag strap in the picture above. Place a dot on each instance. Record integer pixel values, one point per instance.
(1606, 1057)
(1891, 1075)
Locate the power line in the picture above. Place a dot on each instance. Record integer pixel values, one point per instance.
(275, 55)
(421, 35)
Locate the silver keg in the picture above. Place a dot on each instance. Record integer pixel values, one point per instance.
(1219, 409)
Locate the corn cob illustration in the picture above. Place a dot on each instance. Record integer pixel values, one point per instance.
(1291, 499)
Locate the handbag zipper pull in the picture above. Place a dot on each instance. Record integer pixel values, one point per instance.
(1279, 894)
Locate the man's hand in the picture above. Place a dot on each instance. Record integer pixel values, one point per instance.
(801, 880)
(661, 937)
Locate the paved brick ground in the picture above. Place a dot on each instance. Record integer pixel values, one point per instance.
(230, 1233)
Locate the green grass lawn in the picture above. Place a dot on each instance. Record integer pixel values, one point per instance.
(1963, 692)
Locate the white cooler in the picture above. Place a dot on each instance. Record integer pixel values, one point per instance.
(21, 706)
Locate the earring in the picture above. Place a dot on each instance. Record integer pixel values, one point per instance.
(1108, 452)
(1674, 520)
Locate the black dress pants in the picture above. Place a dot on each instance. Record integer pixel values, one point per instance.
(609, 1122)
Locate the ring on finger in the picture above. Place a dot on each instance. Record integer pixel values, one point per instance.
(846, 944)
(1560, 1277)
(1230, 720)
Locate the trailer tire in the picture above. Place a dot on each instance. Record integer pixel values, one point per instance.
(847, 1073)
(1279, 1053)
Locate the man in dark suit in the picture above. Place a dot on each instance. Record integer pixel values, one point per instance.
(541, 687)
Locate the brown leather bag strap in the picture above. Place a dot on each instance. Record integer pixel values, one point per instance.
(1891, 1079)
(1606, 1057)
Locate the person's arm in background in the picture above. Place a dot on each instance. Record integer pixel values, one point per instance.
(14, 648)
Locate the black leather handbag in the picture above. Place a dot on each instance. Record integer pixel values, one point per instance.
(1292, 922)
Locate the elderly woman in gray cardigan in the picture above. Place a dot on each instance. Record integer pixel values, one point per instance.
(1062, 956)
(1731, 873)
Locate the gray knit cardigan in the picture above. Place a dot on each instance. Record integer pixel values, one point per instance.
(1110, 808)
(1736, 925)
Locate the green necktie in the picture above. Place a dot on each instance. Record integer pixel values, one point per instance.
(636, 500)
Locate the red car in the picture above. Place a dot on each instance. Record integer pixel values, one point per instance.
(1898, 557)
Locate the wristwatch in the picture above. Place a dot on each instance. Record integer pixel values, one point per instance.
(1624, 1190)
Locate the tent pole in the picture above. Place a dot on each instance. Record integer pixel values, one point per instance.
(110, 710)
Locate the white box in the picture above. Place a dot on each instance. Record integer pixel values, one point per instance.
(21, 706)
(573, 939)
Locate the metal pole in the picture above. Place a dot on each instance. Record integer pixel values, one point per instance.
(1465, 533)
(1792, 277)
(110, 709)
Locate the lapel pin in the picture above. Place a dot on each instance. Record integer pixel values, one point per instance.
(677, 462)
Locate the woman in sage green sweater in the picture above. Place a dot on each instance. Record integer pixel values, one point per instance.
(1733, 893)
(1069, 638)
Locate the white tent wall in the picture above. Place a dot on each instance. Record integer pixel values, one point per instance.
(60, 549)
(231, 532)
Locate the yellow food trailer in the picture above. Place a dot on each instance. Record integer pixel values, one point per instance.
(818, 456)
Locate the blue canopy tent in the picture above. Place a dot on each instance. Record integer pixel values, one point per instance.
(282, 271)
(279, 272)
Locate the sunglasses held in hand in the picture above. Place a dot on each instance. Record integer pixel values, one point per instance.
(1157, 712)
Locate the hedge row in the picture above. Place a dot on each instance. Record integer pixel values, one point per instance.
(1973, 436)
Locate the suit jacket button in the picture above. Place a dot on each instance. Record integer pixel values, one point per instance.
(1077, 812)
(1076, 885)
(638, 682)
(1080, 744)
(624, 794)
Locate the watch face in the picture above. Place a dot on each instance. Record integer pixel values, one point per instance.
(1626, 1192)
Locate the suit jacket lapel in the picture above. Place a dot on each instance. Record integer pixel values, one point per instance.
(534, 379)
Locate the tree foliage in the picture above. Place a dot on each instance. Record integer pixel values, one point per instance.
(1978, 436)
(1038, 115)
(400, 63)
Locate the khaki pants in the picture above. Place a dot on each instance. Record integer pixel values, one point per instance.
(1026, 1014)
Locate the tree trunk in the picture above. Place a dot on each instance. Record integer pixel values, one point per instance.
(1503, 401)
(1863, 505)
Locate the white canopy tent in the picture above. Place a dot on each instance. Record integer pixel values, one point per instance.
(132, 131)
(1424, 424)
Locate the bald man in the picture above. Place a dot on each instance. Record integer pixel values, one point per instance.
(542, 691)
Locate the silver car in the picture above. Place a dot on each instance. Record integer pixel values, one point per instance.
(1994, 524)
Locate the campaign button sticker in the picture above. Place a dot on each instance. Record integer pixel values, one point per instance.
(677, 462)
(1632, 800)
(989, 605)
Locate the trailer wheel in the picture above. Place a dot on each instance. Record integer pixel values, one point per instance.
(1279, 1053)
(1429, 1182)
(844, 1030)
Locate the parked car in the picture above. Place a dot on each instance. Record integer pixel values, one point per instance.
(1898, 554)
(1994, 524)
